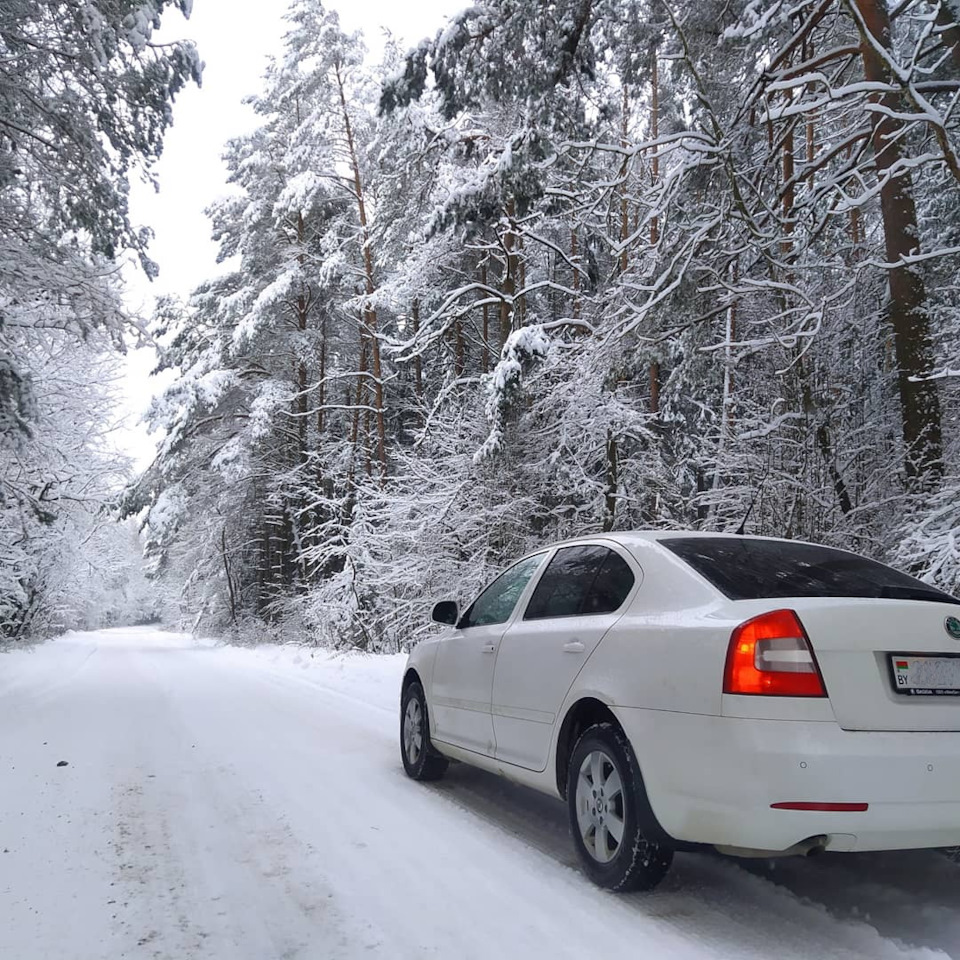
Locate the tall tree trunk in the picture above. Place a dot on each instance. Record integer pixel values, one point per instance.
(807, 50)
(459, 349)
(730, 337)
(520, 311)
(575, 259)
(509, 287)
(369, 313)
(612, 482)
(367, 445)
(654, 134)
(417, 362)
(485, 351)
(655, 220)
(856, 224)
(302, 309)
(232, 593)
(789, 193)
(919, 400)
(322, 388)
(358, 398)
(624, 170)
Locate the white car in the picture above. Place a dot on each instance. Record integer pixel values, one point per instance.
(764, 697)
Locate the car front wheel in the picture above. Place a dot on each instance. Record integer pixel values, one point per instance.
(603, 798)
(420, 760)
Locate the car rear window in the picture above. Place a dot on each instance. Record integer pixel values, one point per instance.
(749, 569)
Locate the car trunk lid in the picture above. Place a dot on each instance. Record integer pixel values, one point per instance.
(887, 664)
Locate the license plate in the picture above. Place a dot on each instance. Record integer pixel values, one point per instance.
(926, 676)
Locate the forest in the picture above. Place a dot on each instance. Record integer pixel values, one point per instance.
(564, 267)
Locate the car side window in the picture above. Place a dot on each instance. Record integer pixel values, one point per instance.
(613, 583)
(578, 581)
(496, 603)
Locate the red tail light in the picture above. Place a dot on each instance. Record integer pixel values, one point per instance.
(770, 655)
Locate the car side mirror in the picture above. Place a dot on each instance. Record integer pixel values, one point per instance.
(446, 611)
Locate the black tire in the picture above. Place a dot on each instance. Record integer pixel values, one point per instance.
(631, 862)
(420, 760)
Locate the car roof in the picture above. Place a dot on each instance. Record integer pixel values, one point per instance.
(627, 537)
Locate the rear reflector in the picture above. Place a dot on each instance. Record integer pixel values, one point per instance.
(770, 655)
(828, 807)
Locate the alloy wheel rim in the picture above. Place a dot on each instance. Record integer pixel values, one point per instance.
(413, 731)
(600, 806)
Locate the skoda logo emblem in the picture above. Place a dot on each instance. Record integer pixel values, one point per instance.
(952, 625)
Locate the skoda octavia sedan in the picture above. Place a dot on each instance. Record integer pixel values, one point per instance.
(764, 697)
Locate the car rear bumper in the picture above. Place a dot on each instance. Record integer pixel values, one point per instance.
(713, 779)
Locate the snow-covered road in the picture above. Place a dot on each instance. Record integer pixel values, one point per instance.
(225, 804)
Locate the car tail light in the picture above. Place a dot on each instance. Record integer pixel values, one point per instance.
(771, 655)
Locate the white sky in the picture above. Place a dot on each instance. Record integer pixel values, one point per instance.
(234, 37)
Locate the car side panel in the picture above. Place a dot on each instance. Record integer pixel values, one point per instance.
(668, 650)
(461, 687)
(643, 662)
(537, 663)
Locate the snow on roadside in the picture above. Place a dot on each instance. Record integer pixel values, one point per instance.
(373, 679)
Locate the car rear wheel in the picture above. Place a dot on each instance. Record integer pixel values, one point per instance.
(603, 799)
(420, 760)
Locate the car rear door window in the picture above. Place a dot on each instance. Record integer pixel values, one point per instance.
(610, 589)
(746, 568)
(578, 581)
(496, 603)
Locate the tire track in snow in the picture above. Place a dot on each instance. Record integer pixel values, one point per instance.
(720, 896)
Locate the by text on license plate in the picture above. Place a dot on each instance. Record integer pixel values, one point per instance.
(926, 676)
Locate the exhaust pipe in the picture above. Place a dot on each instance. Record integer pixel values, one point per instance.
(810, 847)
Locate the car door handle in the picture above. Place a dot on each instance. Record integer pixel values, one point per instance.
(489, 648)
(574, 646)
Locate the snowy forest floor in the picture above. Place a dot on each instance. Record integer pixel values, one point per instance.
(249, 804)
